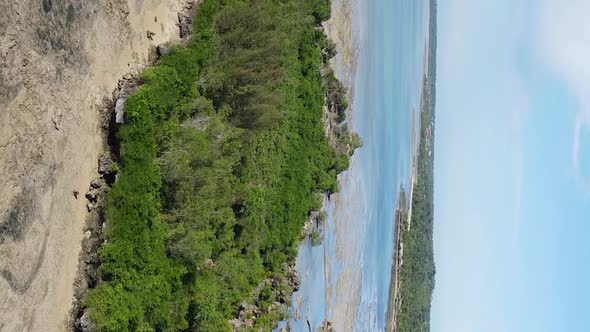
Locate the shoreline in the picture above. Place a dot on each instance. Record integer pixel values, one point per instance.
(404, 214)
(403, 217)
(426, 106)
(340, 28)
(340, 311)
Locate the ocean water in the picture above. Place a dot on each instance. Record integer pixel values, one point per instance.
(346, 279)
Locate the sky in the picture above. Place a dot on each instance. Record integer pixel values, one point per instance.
(512, 168)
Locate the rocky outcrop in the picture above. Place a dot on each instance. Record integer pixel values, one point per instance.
(327, 326)
(163, 49)
(282, 288)
(85, 324)
(113, 118)
(185, 20)
(126, 86)
(131, 82)
(93, 237)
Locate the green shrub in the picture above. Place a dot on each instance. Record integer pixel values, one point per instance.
(223, 157)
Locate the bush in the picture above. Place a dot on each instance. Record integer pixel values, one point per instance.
(222, 158)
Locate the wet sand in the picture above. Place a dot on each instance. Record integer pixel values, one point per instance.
(341, 303)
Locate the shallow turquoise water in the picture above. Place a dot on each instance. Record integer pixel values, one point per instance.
(348, 276)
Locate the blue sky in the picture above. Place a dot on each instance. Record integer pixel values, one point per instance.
(512, 170)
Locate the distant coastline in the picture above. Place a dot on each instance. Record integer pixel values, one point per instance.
(407, 312)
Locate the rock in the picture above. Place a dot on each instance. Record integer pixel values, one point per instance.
(87, 234)
(84, 323)
(76, 193)
(281, 287)
(163, 49)
(297, 313)
(96, 183)
(250, 322)
(286, 328)
(92, 275)
(126, 86)
(92, 195)
(105, 164)
(244, 305)
(282, 297)
(275, 283)
(89, 207)
(185, 21)
(107, 169)
(209, 263)
(295, 280)
(327, 326)
(120, 111)
(92, 258)
(236, 324)
(150, 35)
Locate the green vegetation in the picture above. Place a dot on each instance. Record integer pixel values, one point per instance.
(417, 272)
(317, 237)
(322, 215)
(222, 158)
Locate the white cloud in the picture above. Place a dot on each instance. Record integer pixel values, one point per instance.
(563, 37)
